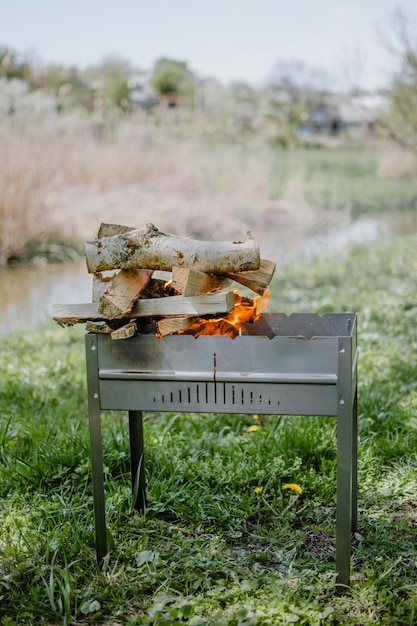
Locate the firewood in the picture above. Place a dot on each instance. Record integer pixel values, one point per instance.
(189, 282)
(101, 284)
(108, 230)
(123, 291)
(100, 328)
(256, 280)
(147, 247)
(169, 325)
(211, 304)
(158, 288)
(124, 332)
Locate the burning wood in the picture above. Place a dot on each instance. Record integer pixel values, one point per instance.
(193, 301)
(245, 310)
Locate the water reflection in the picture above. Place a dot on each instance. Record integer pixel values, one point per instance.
(28, 293)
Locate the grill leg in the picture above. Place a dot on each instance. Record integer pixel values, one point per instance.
(344, 504)
(347, 485)
(96, 447)
(137, 465)
(98, 485)
(355, 464)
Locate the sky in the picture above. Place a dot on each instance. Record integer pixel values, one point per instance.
(225, 39)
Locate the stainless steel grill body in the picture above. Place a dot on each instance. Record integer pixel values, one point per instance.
(303, 364)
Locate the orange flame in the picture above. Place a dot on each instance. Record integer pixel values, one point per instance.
(244, 310)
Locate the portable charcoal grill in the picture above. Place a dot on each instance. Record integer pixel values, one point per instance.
(302, 364)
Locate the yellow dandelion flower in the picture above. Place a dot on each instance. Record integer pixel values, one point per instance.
(253, 428)
(256, 416)
(294, 487)
(258, 490)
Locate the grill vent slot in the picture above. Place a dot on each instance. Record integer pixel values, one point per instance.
(215, 395)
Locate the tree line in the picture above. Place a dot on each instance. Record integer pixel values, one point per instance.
(108, 84)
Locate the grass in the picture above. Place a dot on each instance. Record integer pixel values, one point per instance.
(220, 542)
(359, 180)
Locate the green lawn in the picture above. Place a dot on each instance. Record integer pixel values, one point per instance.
(221, 542)
(345, 178)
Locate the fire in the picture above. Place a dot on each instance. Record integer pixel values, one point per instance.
(244, 310)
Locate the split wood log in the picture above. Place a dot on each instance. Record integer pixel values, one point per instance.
(122, 293)
(189, 282)
(212, 304)
(169, 325)
(100, 284)
(256, 280)
(147, 247)
(124, 332)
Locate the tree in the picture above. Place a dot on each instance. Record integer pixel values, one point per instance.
(66, 85)
(12, 66)
(400, 122)
(172, 77)
(110, 80)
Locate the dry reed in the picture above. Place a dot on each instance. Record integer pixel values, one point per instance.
(61, 177)
(63, 180)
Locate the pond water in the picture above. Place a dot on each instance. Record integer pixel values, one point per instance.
(27, 294)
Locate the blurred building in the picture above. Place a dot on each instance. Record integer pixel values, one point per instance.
(341, 113)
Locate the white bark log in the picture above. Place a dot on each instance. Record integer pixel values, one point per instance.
(147, 247)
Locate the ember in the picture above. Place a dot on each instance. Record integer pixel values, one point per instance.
(245, 310)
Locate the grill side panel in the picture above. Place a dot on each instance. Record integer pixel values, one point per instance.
(209, 396)
(208, 355)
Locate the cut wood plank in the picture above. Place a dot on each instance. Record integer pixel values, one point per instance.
(123, 291)
(147, 247)
(212, 304)
(169, 325)
(125, 331)
(190, 282)
(256, 280)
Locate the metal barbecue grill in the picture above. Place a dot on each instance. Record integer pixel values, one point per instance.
(302, 364)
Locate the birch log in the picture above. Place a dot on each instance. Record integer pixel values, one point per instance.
(147, 247)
